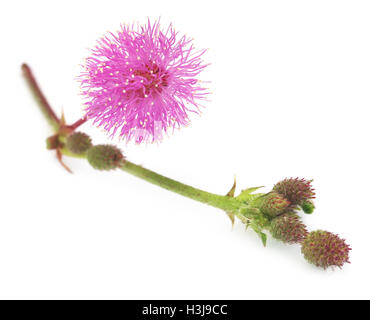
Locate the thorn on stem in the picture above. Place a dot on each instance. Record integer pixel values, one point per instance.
(232, 190)
(232, 218)
(60, 159)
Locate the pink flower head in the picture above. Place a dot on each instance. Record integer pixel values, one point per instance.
(141, 81)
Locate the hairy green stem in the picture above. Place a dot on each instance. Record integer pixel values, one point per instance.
(226, 203)
(229, 204)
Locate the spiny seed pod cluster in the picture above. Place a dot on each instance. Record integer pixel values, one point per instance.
(273, 204)
(297, 191)
(78, 142)
(105, 157)
(325, 249)
(288, 228)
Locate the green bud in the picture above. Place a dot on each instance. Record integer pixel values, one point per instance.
(308, 207)
(288, 228)
(272, 204)
(78, 142)
(105, 157)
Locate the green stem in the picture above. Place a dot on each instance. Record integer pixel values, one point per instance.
(226, 203)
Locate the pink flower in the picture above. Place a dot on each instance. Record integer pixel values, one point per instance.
(139, 82)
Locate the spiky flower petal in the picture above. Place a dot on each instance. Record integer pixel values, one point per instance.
(141, 81)
(78, 142)
(295, 190)
(288, 228)
(325, 249)
(105, 157)
(273, 204)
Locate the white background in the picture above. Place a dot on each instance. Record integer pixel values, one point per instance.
(291, 94)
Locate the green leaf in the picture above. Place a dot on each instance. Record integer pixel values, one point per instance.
(263, 238)
(257, 229)
(246, 194)
(249, 212)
